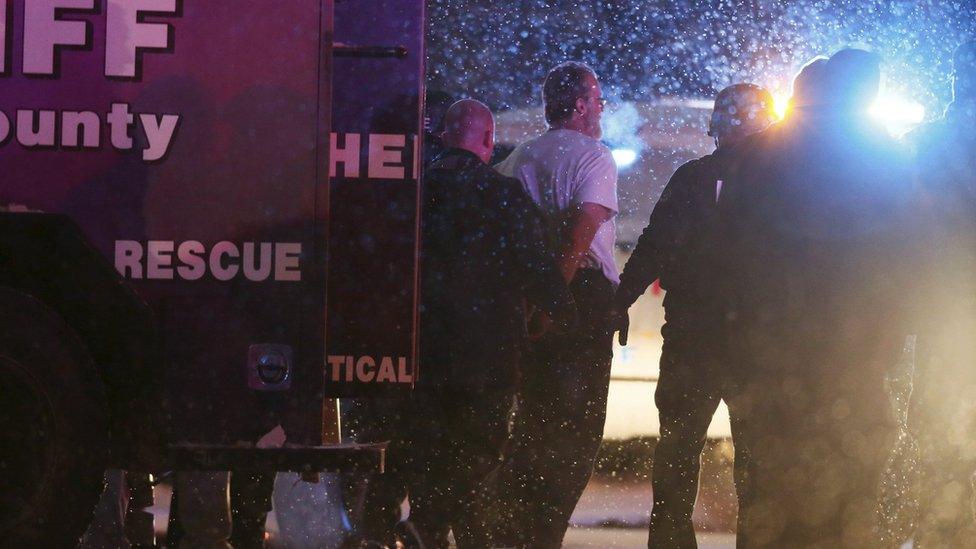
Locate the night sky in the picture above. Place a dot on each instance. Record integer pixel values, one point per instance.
(500, 51)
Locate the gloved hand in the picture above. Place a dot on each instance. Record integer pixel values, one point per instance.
(620, 323)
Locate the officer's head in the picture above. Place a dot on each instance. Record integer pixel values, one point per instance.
(852, 78)
(964, 71)
(740, 110)
(469, 125)
(809, 85)
(573, 98)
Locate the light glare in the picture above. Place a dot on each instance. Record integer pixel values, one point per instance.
(781, 103)
(624, 157)
(896, 114)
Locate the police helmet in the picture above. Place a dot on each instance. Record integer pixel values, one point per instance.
(741, 108)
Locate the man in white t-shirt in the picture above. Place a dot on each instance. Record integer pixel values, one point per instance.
(565, 376)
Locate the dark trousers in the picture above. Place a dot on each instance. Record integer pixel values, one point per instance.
(250, 501)
(450, 463)
(447, 448)
(691, 385)
(559, 423)
(373, 501)
(818, 439)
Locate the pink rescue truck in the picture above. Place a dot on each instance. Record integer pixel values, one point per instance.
(208, 228)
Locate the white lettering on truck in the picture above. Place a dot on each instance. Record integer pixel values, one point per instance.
(51, 25)
(190, 260)
(367, 369)
(45, 33)
(386, 156)
(384, 153)
(126, 35)
(40, 128)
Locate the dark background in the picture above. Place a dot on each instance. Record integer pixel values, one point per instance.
(500, 51)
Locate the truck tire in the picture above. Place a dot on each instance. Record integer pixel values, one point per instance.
(53, 428)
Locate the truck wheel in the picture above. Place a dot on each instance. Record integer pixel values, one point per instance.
(53, 428)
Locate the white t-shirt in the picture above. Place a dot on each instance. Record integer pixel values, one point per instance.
(562, 168)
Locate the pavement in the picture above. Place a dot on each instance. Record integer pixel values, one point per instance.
(634, 538)
(611, 514)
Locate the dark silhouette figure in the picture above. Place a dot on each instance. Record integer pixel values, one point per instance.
(809, 248)
(558, 429)
(693, 377)
(942, 411)
(484, 255)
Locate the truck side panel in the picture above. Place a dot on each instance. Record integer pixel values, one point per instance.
(374, 197)
(184, 140)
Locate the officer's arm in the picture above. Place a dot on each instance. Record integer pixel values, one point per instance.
(584, 221)
(535, 257)
(662, 234)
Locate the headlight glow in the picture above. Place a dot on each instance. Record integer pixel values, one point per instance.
(624, 157)
(898, 115)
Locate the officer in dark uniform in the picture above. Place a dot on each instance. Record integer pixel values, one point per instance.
(484, 254)
(942, 412)
(374, 501)
(691, 383)
(810, 261)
